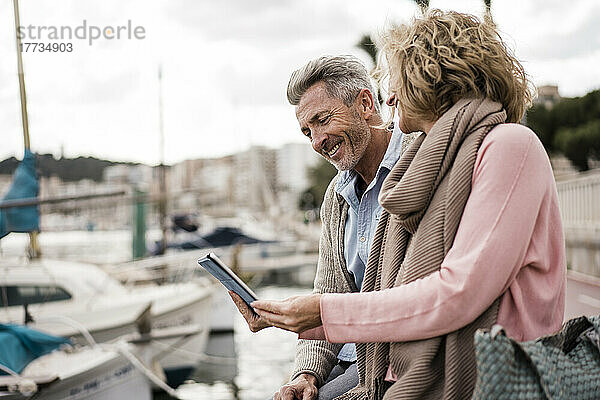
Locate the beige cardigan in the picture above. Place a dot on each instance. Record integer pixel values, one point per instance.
(318, 357)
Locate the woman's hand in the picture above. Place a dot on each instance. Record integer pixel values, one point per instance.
(255, 322)
(295, 314)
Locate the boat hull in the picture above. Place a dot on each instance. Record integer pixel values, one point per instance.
(91, 374)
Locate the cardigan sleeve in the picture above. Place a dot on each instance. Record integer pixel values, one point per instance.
(488, 251)
(318, 357)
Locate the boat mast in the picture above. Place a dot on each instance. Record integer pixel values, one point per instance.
(162, 204)
(34, 249)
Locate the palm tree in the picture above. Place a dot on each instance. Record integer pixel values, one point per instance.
(423, 5)
(366, 43)
(487, 16)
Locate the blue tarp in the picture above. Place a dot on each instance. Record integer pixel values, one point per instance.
(20, 345)
(25, 185)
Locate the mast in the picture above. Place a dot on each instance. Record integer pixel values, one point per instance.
(162, 204)
(34, 249)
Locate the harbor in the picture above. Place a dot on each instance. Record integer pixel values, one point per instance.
(154, 157)
(237, 364)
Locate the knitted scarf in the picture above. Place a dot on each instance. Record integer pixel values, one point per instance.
(424, 197)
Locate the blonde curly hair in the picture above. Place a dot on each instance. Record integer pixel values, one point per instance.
(442, 57)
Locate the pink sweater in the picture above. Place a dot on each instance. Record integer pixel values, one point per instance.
(509, 244)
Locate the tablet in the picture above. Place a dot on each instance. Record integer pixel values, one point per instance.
(231, 281)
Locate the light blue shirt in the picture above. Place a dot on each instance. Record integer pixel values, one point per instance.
(363, 215)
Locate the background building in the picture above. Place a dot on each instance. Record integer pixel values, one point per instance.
(260, 179)
(293, 163)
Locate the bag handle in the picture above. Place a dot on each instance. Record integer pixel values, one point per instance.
(568, 339)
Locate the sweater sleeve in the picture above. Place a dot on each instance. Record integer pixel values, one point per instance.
(318, 357)
(491, 242)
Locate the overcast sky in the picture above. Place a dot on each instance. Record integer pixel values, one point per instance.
(225, 68)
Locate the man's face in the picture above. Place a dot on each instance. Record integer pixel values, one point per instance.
(337, 132)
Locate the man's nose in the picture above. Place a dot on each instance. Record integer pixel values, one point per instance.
(318, 140)
(392, 101)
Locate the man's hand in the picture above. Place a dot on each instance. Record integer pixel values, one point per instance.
(255, 322)
(302, 388)
(295, 314)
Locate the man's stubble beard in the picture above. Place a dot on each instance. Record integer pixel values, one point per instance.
(357, 140)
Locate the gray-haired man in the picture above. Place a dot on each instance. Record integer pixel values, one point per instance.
(338, 112)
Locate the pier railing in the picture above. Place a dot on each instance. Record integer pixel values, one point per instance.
(579, 200)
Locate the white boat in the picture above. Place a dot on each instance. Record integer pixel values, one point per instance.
(43, 366)
(104, 307)
(123, 368)
(85, 373)
(259, 259)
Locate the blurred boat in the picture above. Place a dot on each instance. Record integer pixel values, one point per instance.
(41, 366)
(186, 238)
(86, 373)
(50, 290)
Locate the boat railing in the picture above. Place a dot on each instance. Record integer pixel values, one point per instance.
(72, 323)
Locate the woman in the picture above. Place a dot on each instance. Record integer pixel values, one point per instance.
(471, 235)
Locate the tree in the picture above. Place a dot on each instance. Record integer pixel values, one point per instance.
(580, 144)
(319, 177)
(541, 121)
(67, 169)
(366, 43)
(567, 113)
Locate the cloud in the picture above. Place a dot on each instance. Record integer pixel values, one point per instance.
(226, 65)
(264, 22)
(114, 88)
(576, 39)
(250, 48)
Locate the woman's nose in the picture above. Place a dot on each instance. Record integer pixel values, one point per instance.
(392, 101)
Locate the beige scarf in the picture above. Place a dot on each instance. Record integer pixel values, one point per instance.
(424, 197)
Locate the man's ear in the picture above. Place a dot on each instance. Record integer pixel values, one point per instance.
(366, 103)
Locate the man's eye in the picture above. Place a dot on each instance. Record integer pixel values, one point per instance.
(324, 120)
(307, 133)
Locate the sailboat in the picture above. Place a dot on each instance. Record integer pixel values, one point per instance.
(41, 292)
(85, 294)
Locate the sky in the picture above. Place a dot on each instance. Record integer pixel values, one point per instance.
(226, 65)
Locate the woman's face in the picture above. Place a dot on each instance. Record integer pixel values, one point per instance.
(405, 124)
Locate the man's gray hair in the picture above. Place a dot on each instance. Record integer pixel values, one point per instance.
(344, 78)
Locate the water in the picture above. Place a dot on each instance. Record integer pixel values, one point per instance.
(264, 359)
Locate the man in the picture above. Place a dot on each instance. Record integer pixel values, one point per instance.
(338, 112)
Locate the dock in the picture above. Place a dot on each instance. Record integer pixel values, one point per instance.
(583, 295)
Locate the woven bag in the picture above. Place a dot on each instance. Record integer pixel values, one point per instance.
(564, 366)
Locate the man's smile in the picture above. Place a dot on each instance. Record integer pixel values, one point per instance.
(333, 150)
